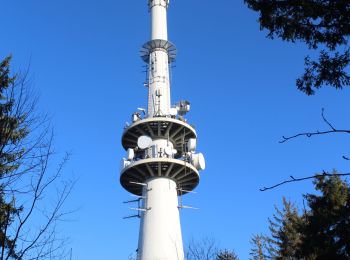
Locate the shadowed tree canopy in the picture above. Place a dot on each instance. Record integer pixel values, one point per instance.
(324, 25)
(12, 130)
(326, 231)
(11, 133)
(320, 231)
(226, 255)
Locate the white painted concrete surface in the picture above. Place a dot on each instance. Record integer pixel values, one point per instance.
(160, 231)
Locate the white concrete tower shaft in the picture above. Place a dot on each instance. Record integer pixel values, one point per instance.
(160, 230)
(158, 74)
(158, 10)
(161, 162)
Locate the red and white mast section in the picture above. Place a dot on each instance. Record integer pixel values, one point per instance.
(161, 163)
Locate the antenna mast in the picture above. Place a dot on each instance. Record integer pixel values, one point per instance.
(161, 163)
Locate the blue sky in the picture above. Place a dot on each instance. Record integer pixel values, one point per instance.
(84, 62)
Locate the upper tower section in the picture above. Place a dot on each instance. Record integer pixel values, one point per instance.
(159, 140)
(158, 10)
(158, 53)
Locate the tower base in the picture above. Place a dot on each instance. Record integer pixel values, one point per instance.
(160, 231)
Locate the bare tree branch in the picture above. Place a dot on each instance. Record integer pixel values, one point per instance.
(206, 249)
(292, 179)
(317, 132)
(332, 129)
(27, 179)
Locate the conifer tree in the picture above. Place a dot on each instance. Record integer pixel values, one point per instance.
(326, 230)
(284, 229)
(11, 133)
(25, 176)
(321, 231)
(259, 249)
(12, 130)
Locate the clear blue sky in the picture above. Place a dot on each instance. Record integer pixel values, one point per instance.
(84, 61)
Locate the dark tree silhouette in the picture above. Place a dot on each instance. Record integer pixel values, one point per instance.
(28, 214)
(226, 255)
(324, 25)
(321, 230)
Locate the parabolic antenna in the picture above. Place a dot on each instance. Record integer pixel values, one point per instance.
(168, 151)
(144, 142)
(198, 161)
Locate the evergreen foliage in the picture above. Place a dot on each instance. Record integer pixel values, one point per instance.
(321, 24)
(11, 133)
(259, 250)
(321, 231)
(12, 130)
(25, 176)
(285, 236)
(326, 229)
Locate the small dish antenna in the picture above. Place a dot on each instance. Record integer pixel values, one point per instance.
(169, 151)
(198, 161)
(144, 142)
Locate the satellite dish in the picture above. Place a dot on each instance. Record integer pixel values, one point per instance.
(130, 154)
(144, 142)
(192, 144)
(198, 161)
(169, 151)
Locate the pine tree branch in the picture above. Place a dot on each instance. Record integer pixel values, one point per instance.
(293, 179)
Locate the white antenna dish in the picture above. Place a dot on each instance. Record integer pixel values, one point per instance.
(198, 161)
(192, 144)
(169, 151)
(144, 142)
